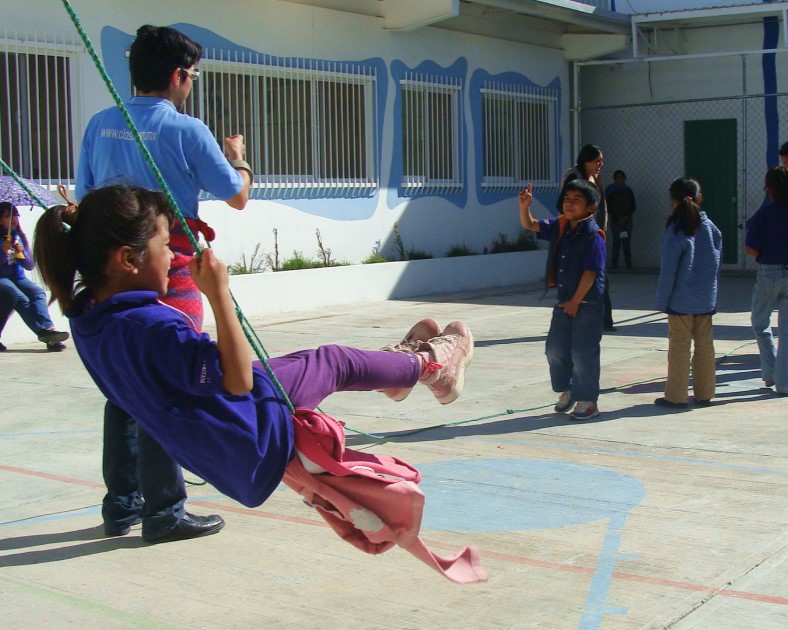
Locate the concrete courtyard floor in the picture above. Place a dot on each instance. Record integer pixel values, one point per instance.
(641, 518)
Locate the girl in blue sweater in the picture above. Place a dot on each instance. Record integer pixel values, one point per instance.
(214, 410)
(687, 292)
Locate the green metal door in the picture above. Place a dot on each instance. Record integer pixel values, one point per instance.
(710, 156)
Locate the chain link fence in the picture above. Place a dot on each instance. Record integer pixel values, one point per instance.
(647, 142)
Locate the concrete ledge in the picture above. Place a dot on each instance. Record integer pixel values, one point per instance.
(332, 286)
(284, 291)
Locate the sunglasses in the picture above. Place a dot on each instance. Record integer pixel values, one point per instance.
(193, 75)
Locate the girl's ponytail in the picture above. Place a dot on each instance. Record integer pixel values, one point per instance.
(73, 245)
(685, 191)
(55, 254)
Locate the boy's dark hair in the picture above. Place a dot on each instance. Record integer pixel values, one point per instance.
(784, 148)
(107, 218)
(686, 214)
(776, 183)
(156, 52)
(619, 172)
(588, 190)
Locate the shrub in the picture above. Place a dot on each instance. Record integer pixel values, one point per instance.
(459, 250)
(525, 242)
(255, 264)
(374, 258)
(299, 262)
(415, 254)
(403, 255)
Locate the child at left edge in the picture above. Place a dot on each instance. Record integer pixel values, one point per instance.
(576, 268)
(18, 292)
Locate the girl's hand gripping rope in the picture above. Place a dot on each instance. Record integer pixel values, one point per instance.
(235, 355)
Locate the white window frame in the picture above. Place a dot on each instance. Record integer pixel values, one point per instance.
(513, 154)
(350, 157)
(58, 164)
(418, 177)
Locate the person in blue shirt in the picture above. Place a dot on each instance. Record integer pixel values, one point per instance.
(766, 242)
(17, 291)
(143, 482)
(576, 268)
(588, 166)
(213, 409)
(687, 292)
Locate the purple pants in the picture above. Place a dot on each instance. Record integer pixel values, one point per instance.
(308, 376)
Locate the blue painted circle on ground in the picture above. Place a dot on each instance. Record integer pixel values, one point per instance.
(501, 495)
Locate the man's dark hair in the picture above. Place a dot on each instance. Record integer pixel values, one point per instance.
(784, 148)
(156, 52)
(589, 191)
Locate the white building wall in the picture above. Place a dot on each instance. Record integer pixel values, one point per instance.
(430, 224)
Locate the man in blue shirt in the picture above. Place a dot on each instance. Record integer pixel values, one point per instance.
(576, 268)
(143, 482)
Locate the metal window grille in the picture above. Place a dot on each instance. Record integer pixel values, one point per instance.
(599, 4)
(432, 151)
(37, 105)
(308, 124)
(519, 137)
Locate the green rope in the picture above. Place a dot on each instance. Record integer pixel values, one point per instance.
(251, 335)
(509, 412)
(23, 184)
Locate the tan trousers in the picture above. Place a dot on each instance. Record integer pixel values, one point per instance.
(682, 331)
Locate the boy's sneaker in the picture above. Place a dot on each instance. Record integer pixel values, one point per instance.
(424, 330)
(584, 411)
(564, 402)
(449, 356)
(51, 335)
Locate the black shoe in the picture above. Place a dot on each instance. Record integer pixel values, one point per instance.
(111, 530)
(190, 526)
(56, 346)
(663, 402)
(52, 336)
(610, 328)
(703, 403)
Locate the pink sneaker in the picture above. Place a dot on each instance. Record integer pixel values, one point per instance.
(449, 355)
(424, 330)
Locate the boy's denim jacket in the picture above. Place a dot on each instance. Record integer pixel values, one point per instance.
(565, 274)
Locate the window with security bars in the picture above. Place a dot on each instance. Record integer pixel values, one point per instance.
(519, 137)
(432, 152)
(308, 126)
(36, 108)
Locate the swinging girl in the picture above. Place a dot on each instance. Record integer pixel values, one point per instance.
(211, 407)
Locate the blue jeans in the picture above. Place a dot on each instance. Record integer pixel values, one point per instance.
(770, 293)
(142, 480)
(572, 351)
(29, 300)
